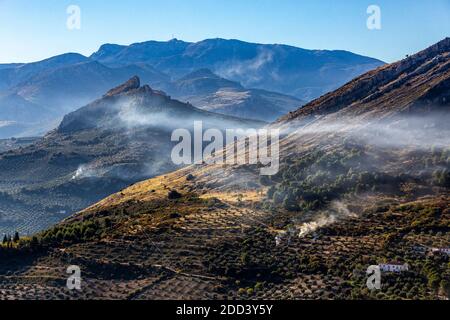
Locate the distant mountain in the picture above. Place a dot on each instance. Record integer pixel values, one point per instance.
(63, 83)
(10, 65)
(208, 91)
(418, 83)
(57, 86)
(202, 81)
(18, 114)
(20, 73)
(74, 85)
(303, 73)
(98, 149)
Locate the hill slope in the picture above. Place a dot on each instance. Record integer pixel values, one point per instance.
(112, 142)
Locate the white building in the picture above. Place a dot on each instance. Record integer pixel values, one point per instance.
(441, 250)
(394, 267)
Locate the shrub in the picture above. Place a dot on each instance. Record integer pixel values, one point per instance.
(174, 194)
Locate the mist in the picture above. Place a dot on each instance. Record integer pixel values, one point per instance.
(355, 156)
(412, 131)
(248, 72)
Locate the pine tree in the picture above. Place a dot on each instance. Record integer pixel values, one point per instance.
(5, 239)
(34, 242)
(16, 237)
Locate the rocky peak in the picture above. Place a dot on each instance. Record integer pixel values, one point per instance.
(132, 84)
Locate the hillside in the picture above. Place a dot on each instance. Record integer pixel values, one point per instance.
(363, 180)
(305, 74)
(121, 138)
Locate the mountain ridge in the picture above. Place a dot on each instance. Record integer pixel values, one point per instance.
(117, 139)
(244, 59)
(62, 83)
(376, 83)
(210, 92)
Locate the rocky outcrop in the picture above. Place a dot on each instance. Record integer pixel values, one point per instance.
(132, 84)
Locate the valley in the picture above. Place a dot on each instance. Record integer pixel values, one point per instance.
(117, 140)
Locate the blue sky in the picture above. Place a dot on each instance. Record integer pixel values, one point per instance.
(31, 30)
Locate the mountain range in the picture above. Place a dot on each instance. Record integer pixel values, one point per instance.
(116, 140)
(303, 73)
(35, 96)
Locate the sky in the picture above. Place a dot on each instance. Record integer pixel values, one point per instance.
(32, 30)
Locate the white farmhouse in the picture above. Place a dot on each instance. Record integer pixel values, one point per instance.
(394, 267)
(441, 250)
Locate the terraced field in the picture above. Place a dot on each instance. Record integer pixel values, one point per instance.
(200, 247)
